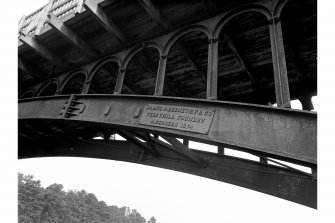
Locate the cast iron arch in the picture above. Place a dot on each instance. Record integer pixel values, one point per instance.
(177, 35)
(238, 11)
(226, 27)
(279, 8)
(70, 76)
(110, 59)
(101, 63)
(46, 84)
(148, 74)
(136, 50)
(27, 91)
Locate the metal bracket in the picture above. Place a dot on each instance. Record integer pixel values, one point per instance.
(72, 107)
(212, 40)
(274, 20)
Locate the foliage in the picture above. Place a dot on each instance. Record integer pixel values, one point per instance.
(53, 205)
(152, 220)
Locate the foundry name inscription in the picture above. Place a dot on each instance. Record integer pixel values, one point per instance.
(178, 117)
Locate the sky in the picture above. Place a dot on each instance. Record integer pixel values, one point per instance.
(168, 195)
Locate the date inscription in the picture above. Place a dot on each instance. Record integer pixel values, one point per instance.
(178, 117)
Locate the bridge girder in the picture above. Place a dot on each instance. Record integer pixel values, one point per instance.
(277, 132)
(273, 180)
(267, 132)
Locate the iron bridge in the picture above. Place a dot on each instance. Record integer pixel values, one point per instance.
(162, 75)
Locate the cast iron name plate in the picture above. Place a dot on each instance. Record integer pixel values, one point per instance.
(178, 117)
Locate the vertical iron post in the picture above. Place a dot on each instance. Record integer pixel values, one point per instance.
(86, 87)
(160, 76)
(212, 69)
(119, 81)
(279, 63)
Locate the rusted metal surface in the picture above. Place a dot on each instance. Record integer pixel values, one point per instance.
(281, 132)
(272, 180)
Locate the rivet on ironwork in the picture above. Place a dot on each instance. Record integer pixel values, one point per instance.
(71, 148)
(82, 109)
(107, 110)
(212, 40)
(274, 20)
(137, 112)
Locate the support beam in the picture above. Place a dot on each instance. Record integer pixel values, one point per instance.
(119, 81)
(306, 102)
(283, 134)
(182, 149)
(233, 46)
(279, 64)
(71, 36)
(132, 138)
(43, 17)
(221, 150)
(212, 70)
(155, 14)
(272, 180)
(186, 142)
(93, 7)
(42, 50)
(159, 88)
(175, 146)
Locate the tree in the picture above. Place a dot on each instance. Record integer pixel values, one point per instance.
(53, 205)
(135, 217)
(152, 220)
(30, 198)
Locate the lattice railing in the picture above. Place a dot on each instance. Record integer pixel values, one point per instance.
(59, 8)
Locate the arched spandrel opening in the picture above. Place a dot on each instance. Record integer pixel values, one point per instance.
(75, 84)
(245, 68)
(49, 90)
(104, 79)
(299, 25)
(27, 94)
(141, 73)
(186, 69)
